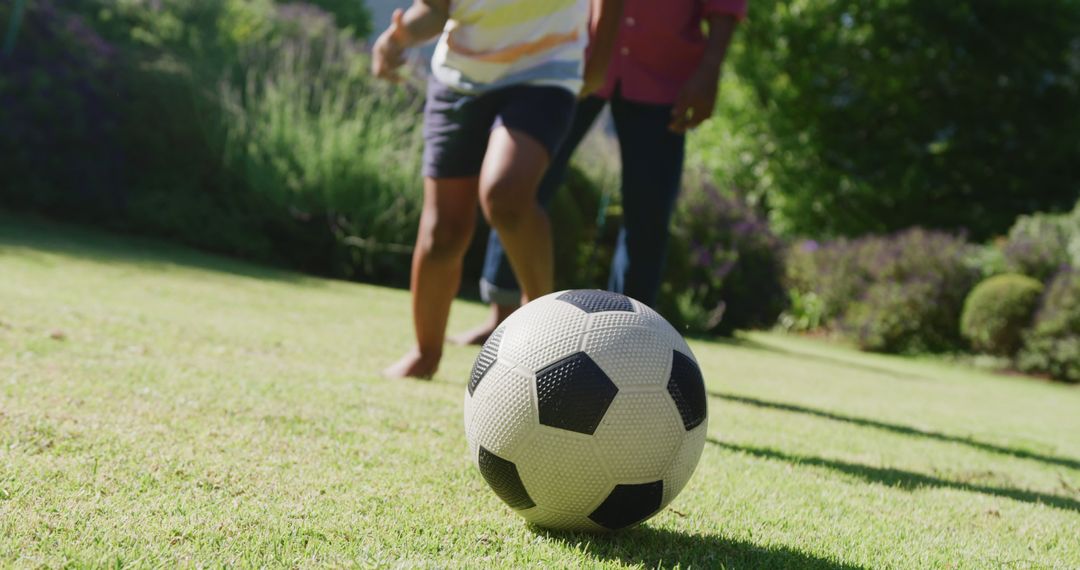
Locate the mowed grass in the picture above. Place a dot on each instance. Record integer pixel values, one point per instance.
(161, 407)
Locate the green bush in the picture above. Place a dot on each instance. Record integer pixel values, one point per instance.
(249, 127)
(825, 278)
(314, 135)
(59, 116)
(1052, 345)
(1039, 245)
(989, 259)
(725, 271)
(899, 293)
(997, 311)
(846, 118)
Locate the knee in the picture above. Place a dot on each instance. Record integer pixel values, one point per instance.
(444, 239)
(505, 206)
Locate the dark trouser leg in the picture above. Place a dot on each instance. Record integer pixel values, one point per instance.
(652, 165)
(498, 284)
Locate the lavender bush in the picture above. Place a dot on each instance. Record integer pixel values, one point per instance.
(898, 293)
(726, 266)
(1038, 245)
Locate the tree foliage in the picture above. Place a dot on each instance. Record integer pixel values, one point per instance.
(872, 116)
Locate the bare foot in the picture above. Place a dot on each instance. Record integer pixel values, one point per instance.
(480, 334)
(414, 365)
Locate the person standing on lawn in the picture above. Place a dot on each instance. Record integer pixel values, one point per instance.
(662, 82)
(506, 75)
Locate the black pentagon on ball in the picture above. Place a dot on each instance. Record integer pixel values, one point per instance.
(596, 301)
(574, 394)
(502, 476)
(628, 505)
(687, 388)
(485, 359)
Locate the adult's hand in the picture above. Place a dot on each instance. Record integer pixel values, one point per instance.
(696, 101)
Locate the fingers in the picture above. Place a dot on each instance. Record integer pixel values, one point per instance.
(687, 116)
(385, 65)
(698, 115)
(679, 115)
(387, 55)
(397, 21)
(387, 69)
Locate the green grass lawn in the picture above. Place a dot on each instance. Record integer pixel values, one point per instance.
(161, 407)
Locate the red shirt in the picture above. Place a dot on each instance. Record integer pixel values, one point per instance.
(660, 45)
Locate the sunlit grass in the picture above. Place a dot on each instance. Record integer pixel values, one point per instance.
(160, 407)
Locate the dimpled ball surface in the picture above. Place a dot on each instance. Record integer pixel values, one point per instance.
(586, 411)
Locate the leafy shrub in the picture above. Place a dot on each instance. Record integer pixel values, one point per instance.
(989, 259)
(248, 127)
(583, 249)
(805, 312)
(59, 114)
(1039, 245)
(726, 267)
(898, 318)
(826, 277)
(897, 293)
(314, 135)
(998, 310)
(353, 15)
(919, 280)
(1052, 345)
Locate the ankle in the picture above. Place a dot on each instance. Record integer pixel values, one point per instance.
(428, 354)
(499, 313)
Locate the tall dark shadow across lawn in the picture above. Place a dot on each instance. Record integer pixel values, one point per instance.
(901, 429)
(659, 548)
(900, 478)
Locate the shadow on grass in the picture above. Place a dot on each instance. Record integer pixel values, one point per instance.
(36, 234)
(901, 429)
(660, 548)
(805, 356)
(907, 480)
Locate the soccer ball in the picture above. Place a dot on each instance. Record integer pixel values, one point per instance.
(586, 411)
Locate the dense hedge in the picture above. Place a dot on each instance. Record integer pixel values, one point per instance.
(1052, 346)
(902, 292)
(998, 310)
(240, 126)
(1041, 245)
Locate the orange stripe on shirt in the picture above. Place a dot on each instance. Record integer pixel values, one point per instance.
(515, 52)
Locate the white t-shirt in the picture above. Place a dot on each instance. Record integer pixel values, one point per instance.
(489, 44)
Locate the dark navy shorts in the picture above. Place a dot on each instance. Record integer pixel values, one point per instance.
(457, 125)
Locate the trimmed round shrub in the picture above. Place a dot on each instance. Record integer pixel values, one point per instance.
(1052, 345)
(998, 310)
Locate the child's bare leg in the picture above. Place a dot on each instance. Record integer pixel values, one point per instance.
(481, 332)
(446, 227)
(514, 164)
